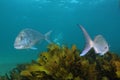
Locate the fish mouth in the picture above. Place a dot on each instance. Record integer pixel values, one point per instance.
(16, 46)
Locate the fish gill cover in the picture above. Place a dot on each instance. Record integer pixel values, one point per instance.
(63, 63)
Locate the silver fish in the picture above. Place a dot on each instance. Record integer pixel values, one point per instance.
(99, 44)
(58, 39)
(28, 38)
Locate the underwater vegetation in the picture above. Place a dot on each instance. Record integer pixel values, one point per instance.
(64, 63)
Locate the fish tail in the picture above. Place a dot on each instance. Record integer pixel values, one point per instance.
(89, 42)
(47, 35)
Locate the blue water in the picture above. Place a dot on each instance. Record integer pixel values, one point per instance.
(60, 16)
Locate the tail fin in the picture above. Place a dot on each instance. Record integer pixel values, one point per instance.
(89, 43)
(47, 36)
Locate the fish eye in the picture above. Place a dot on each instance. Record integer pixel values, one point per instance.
(21, 37)
(105, 47)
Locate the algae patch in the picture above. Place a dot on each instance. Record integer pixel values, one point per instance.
(63, 63)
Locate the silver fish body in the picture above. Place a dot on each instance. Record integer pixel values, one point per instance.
(27, 38)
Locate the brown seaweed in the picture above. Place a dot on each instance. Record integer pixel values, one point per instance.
(63, 63)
